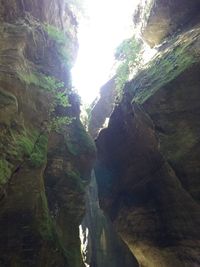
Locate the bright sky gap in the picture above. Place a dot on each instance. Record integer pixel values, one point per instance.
(109, 22)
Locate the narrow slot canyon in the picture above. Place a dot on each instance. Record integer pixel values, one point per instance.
(99, 133)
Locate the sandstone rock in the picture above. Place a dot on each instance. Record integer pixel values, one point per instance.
(41, 180)
(163, 18)
(103, 108)
(148, 159)
(142, 194)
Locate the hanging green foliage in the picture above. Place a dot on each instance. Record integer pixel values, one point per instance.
(128, 54)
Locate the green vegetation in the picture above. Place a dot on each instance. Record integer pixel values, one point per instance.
(128, 54)
(56, 34)
(66, 57)
(45, 224)
(6, 98)
(62, 99)
(178, 55)
(47, 83)
(50, 84)
(50, 232)
(59, 96)
(5, 171)
(28, 146)
(86, 115)
(25, 145)
(40, 80)
(33, 147)
(78, 141)
(76, 182)
(58, 122)
(39, 153)
(63, 43)
(163, 69)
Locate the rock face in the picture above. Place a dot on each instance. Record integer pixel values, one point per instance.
(103, 247)
(148, 156)
(162, 18)
(45, 154)
(103, 108)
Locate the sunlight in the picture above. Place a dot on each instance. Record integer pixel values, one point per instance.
(109, 22)
(83, 235)
(148, 54)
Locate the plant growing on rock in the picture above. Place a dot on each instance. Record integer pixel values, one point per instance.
(62, 42)
(47, 83)
(58, 122)
(128, 55)
(38, 155)
(166, 66)
(25, 145)
(57, 92)
(77, 139)
(33, 147)
(56, 34)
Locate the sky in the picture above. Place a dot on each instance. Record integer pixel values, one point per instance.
(107, 24)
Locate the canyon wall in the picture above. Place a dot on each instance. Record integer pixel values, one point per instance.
(102, 247)
(45, 154)
(148, 164)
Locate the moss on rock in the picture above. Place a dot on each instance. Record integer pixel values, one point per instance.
(6, 98)
(169, 63)
(79, 141)
(40, 80)
(38, 155)
(5, 171)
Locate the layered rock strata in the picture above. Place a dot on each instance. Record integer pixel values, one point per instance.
(45, 154)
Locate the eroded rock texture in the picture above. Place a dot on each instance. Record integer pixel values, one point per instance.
(163, 18)
(45, 154)
(148, 156)
(102, 109)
